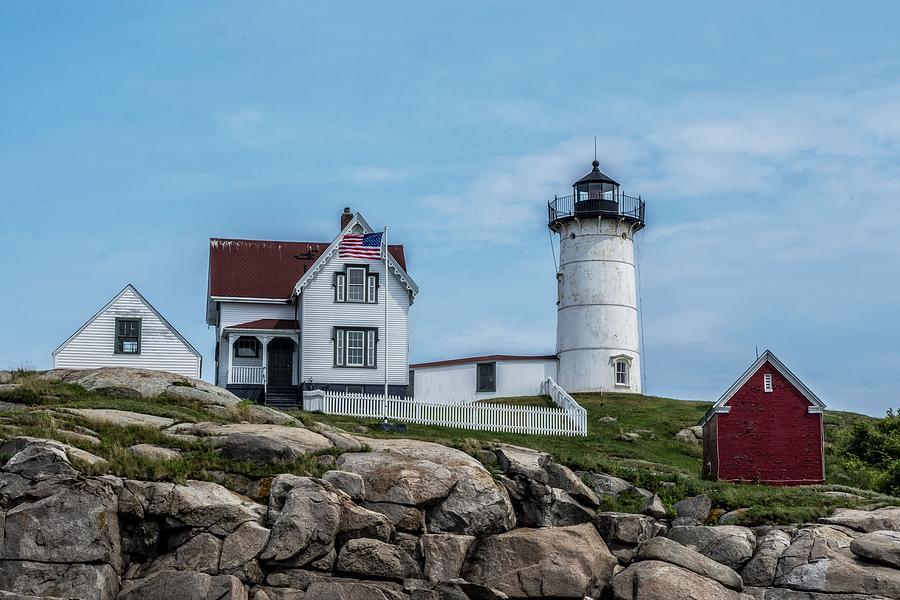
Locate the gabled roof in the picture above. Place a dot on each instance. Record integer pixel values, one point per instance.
(397, 266)
(481, 359)
(146, 303)
(766, 356)
(264, 269)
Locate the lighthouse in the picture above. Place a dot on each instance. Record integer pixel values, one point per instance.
(597, 336)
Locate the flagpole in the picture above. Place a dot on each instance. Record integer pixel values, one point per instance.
(386, 280)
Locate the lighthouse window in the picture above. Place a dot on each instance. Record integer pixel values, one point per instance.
(621, 372)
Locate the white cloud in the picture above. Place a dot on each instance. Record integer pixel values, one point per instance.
(777, 226)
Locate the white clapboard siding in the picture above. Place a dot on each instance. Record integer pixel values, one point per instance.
(457, 382)
(244, 361)
(235, 313)
(321, 314)
(569, 420)
(162, 347)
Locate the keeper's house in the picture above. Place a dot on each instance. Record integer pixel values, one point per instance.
(295, 315)
(128, 332)
(767, 428)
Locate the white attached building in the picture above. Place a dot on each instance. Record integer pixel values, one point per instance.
(128, 332)
(463, 380)
(295, 315)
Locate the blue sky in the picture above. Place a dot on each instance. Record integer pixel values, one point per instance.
(764, 136)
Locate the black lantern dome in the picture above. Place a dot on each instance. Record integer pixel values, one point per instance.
(597, 195)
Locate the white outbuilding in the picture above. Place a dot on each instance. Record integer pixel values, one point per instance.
(463, 380)
(129, 332)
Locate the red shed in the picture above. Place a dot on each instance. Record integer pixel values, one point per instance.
(768, 427)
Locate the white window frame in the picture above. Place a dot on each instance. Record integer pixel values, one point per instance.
(353, 347)
(352, 286)
(371, 289)
(768, 383)
(361, 339)
(339, 294)
(370, 348)
(339, 347)
(625, 372)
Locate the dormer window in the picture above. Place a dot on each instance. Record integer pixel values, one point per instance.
(767, 383)
(356, 284)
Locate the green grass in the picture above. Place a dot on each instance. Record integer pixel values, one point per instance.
(39, 418)
(521, 401)
(655, 461)
(656, 457)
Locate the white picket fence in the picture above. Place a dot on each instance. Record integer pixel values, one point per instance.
(569, 419)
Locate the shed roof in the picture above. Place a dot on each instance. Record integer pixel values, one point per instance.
(268, 324)
(481, 359)
(265, 269)
(765, 357)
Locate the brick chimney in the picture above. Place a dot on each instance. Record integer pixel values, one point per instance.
(346, 216)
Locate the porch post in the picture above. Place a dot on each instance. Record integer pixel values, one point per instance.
(265, 361)
(231, 340)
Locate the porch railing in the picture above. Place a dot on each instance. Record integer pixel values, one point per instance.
(248, 375)
(605, 205)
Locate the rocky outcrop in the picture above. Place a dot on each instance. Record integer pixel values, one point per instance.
(690, 435)
(692, 511)
(142, 383)
(729, 545)
(878, 546)
(459, 493)
(664, 549)
(760, 569)
(883, 519)
(407, 521)
(656, 580)
(559, 562)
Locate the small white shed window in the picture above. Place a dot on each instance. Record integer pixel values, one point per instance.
(622, 372)
(767, 382)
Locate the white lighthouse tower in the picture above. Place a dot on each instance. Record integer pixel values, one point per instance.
(597, 337)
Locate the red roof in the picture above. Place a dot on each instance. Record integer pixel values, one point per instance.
(480, 359)
(264, 269)
(268, 324)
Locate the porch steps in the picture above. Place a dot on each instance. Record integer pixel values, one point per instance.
(282, 396)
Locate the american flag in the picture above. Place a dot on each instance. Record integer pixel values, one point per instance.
(357, 245)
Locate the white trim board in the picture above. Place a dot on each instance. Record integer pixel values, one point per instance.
(313, 270)
(767, 356)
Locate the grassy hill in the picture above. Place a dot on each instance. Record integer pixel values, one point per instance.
(656, 460)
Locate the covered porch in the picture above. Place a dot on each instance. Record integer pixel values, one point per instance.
(263, 360)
